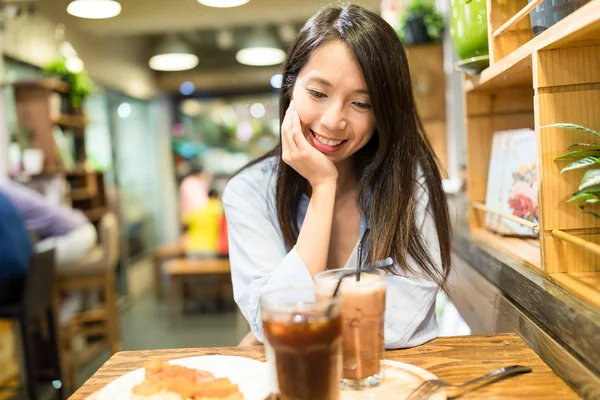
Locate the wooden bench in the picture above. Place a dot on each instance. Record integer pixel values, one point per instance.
(161, 254)
(178, 269)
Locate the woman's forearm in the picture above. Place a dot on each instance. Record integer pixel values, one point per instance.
(315, 234)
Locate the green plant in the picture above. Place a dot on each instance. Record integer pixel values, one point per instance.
(434, 22)
(57, 68)
(585, 155)
(81, 84)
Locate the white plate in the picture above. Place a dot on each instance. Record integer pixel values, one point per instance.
(250, 376)
(400, 380)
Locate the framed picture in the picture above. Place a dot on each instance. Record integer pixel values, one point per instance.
(513, 182)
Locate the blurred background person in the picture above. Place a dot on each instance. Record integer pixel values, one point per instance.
(66, 230)
(15, 252)
(193, 191)
(204, 225)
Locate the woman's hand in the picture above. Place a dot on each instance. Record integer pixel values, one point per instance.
(309, 162)
(249, 340)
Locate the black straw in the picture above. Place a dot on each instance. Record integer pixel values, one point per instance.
(359, 262)
(379, 264)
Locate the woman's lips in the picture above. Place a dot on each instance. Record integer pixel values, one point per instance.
(325, 148)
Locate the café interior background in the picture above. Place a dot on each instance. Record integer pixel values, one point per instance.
(146, 128)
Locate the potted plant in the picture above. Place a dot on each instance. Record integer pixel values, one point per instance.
(421, 23)
(80, 83)
(585, 155)
(81, 86)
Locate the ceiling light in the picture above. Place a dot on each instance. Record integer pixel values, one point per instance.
(261, 49)
(173, 55)
(94, 9)
(223, 3)
(260, 56)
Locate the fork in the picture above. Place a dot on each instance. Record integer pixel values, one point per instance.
(427, 388)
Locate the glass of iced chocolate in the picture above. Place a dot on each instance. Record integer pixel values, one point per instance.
(303, 343)
(363, 309)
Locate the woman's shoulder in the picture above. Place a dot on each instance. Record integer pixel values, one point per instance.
(254, 180)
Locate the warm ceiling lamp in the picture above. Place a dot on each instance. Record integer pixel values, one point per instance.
(262, 49)
(223, 3)
(173, 55)
(94, 9)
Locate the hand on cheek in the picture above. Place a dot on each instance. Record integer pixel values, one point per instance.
(299, 154)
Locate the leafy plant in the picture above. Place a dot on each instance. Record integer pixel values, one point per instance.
(434, 22)
(81, 84)
(58, 68)
(585, 155)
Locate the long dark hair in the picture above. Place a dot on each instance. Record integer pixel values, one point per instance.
(387, 166)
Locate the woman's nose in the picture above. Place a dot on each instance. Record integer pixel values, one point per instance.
(333, 118)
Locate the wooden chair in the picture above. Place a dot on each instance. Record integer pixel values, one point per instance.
(160, 255)
(34, 315)
(94, 272)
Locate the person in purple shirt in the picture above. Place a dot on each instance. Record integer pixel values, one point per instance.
(66, 230)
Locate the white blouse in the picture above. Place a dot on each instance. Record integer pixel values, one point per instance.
(261, 262)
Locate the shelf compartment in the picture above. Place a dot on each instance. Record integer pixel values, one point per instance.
(581, 28)
(526, 251)
(524, 12)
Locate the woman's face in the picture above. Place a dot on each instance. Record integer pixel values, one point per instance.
(332, 101)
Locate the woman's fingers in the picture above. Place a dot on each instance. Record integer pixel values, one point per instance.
(297, 133)
(288, 146)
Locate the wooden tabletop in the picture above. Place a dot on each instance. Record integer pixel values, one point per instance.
(453, 359)
(196, 266)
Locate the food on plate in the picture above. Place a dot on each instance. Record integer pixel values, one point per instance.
(164, 381)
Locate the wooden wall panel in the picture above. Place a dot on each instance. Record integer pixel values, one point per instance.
(436, 133)
(426, 64)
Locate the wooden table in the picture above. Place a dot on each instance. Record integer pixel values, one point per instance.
(179, 270)
(454, 359)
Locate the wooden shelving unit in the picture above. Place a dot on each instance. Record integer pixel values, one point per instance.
(77, 122)
(533, 82)
(37, 112)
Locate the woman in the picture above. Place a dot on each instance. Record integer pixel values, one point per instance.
(352, 159)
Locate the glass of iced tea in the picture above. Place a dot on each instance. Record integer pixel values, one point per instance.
(363, 310)
(303, 343)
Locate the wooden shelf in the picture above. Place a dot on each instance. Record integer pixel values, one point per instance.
(71, 121)
(90, 316)
(584, 285)
(52, 84)
(81, 194)
(581, 28)
(526, 251)
(95, 214)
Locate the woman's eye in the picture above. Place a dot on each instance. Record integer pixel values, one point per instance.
(316, 94)
(364, 106)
